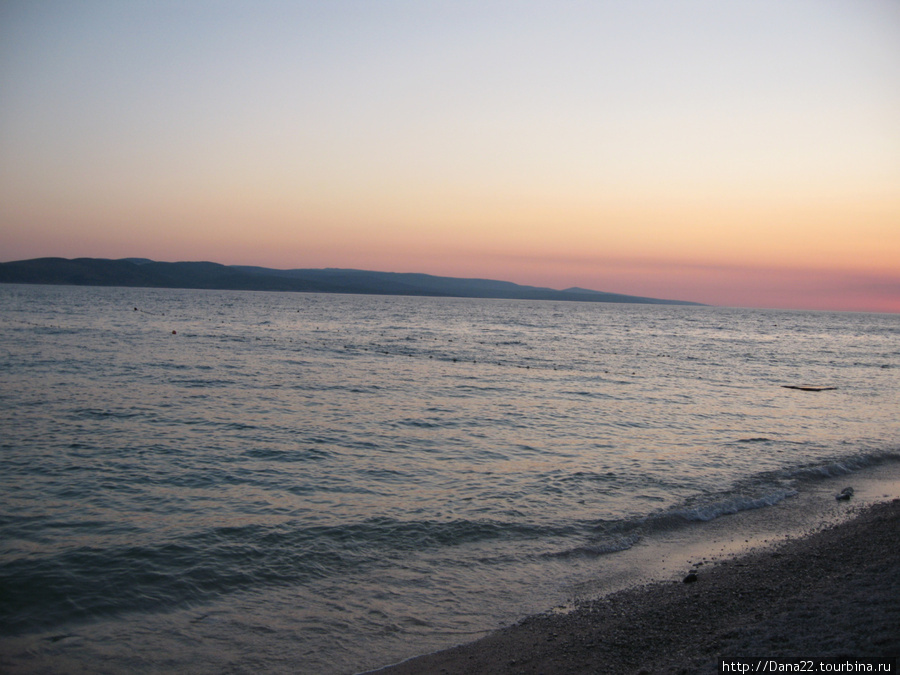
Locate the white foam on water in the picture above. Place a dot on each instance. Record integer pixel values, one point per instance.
(670, 554)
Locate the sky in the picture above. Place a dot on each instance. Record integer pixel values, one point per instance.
(731, 152)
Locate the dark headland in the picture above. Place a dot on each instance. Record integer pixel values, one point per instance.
(140, 272)
(833, 594)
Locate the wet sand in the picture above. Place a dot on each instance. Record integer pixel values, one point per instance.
(835, 593)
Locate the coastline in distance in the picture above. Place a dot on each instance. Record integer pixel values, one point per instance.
(141, 272)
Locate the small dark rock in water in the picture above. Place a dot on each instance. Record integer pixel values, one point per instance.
(690, 578)
(844, 494)
(57, 638)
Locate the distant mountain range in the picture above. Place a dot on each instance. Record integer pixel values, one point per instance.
(148, 273)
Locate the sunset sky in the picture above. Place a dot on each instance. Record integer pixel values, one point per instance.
(733, 152)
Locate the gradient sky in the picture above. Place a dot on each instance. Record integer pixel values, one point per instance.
(730, 152)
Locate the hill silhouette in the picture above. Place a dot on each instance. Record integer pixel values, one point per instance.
(141, 272)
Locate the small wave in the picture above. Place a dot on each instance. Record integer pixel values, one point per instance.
(589, 394)
(604, 547)
(287, 456)
(840, 466)
(713, 510)
(87, 583)
(755, 439)
(756, 492)
(705, 510)
(421, 424)
(420, 535)
(100, 414)
(767, 489)
(201, 383)
(589, 476)
(239, 426)
(615, 536)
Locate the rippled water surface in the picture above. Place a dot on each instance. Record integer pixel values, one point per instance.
(233, 482)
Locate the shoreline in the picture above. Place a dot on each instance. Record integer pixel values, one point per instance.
(832, 593)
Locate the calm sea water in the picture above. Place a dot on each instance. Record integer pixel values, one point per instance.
(236, 482)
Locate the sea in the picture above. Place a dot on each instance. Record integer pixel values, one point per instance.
(214, 481)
